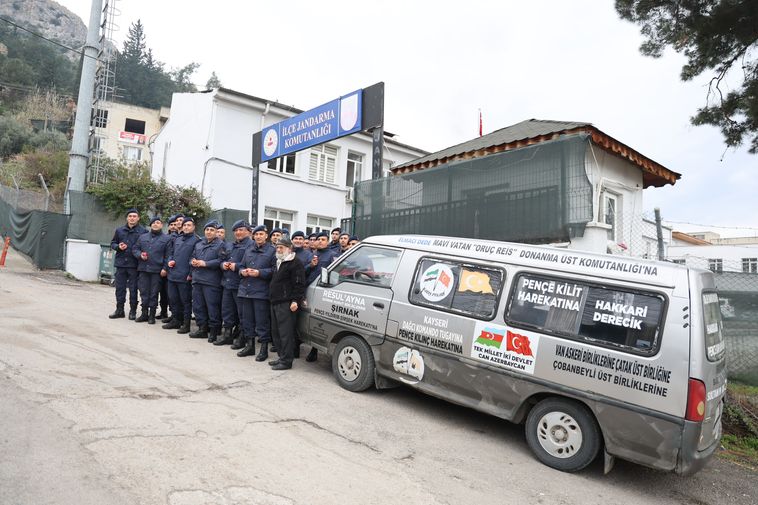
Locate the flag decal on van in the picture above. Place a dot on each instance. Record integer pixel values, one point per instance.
(491, 337)
(518, 344)
(477, 282)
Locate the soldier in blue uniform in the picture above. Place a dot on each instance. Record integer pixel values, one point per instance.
(179, 274)
(206, 284)
(344, 241)
(150, 252)
(126, 265)
(220, 232)
(173, 232)
(322, 258)
(335, 243)
(302, 252)
(255, 271)
(276, 234)
(231, 255)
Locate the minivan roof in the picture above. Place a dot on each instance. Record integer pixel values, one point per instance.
(658, 273)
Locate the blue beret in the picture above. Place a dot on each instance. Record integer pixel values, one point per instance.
(260, 227)
(172, 219)
(240, 224)
(298, 234)
(154, 219)
(322, 234)
(132, 211)
(285, 231)
(188, 220)
(312, 236)
(276, 230)
(180, 215)
(211, 224)
(219, 226)
(345, 233)
(353, 237)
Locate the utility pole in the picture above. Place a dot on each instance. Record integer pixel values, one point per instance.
(659, 233)
(77, 166)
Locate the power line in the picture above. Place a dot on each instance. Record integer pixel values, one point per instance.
(713, 225)
(67, 48)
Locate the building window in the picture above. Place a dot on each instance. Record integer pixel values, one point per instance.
(678, 261)
(354, 169)
(99, 118)
(716, 265)
(315, 224)
(275, 218)
(611, 215)
(750, 265)
(323, 163)
(131, 153)
(386, 167)
(134, 126)
(285, 164)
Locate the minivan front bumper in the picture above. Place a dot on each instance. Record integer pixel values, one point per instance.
(691, 460)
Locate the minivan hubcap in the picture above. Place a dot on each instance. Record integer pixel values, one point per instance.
(349, 363)
(559, 434)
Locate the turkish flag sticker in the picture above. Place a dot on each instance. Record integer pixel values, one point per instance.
(518, 344)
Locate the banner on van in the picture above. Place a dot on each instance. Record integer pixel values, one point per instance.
(502, 347)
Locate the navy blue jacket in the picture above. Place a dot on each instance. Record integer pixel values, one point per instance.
(325, 258)
(233, 252)
(263, 259)
(184, 246)
(129, 236)
(305, 256)
(210, 274)
(154, 244)
(170, 247)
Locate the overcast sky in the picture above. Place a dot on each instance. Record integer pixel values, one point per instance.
(442, 61)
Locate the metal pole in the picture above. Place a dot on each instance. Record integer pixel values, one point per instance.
(77, 168)
(44, 186)
(659, 233)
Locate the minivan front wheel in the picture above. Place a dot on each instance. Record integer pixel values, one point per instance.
(353, 364)
(562, 434)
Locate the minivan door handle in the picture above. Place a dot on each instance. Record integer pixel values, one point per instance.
(378, 305)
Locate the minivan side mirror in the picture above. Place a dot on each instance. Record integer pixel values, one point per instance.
(324, 277)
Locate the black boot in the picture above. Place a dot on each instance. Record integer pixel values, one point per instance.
(168, 319)
(201, 332)
(213, 335)
(263, 353)
(173, 324)
(163, 314)
(236, 331)
(226, 338)
(151, 316)
(143, 317)
(132, 313)
(312, 356)
(238, 343)
(249, 348)
(185, 327)
(119, 312)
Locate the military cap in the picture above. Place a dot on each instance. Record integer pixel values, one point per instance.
(132, 211)
(260, 227)
(240, 224)
(298, 234)
(322, 234)
(154, 219)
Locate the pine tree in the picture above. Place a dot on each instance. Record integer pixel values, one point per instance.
(213, 81)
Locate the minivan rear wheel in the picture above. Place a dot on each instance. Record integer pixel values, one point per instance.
(353, 364)
(562, 434)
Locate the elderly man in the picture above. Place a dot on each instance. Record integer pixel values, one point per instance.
(231, 255)
(124, 239)
(287, 291)
(206, 284)
(179, 275)
(150, 252)
(255, 269)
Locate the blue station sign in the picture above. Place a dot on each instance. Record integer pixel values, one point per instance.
(327, 122)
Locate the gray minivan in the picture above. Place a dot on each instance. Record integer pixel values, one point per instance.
(591, 352)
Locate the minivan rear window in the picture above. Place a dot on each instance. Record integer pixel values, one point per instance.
(457, 287)
(714, 336)
(608, 316)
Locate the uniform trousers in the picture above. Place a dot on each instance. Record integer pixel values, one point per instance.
(230, 308)
(206, 304)
(256, 318)
(126, 278)
(181, 294)
(149, 287)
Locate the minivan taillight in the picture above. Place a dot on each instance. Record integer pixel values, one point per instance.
(695, 401)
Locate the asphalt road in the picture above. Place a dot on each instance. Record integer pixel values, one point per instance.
(94, 411)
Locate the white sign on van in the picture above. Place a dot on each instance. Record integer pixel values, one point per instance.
(503, 347)
(409, 362)
(437, 282)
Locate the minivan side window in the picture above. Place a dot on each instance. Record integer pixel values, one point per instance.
(608, 316)
(457, 287)
(368, 265)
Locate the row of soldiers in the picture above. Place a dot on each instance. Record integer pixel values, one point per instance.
(239, 291)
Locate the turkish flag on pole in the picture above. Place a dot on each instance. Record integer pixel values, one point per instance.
(480, 122)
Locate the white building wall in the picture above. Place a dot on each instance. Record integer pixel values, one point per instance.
(699, 255)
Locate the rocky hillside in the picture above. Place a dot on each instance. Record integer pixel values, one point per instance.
(47, 18)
